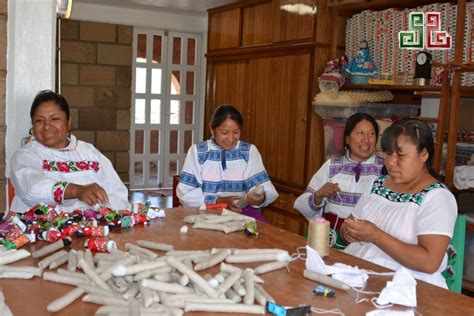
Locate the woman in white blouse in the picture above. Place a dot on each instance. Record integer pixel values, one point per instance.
(225, 169)
(54, 167)
(408, 217)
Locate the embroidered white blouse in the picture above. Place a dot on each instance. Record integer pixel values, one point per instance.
(40, 175)
(210, 171)
(432, 211)
(341, 170)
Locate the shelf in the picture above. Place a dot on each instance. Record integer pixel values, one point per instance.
(468, 285)
(454, 190)
(465, 91)
(353, 8)
(390, 87)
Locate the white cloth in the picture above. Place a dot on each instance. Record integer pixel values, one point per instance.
(401, 290)
(433, 211)
(339, 170)
(203, 178)
(34, 184)
(464, 177)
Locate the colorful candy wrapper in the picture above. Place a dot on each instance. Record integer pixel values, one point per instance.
(91, 231)
(69, 230)
(89, 214)
(100, 244)
(13, 233)
(76, 215)
(20, 241)
(51, 235)
(125, 222)
(33, 228)
(140, 219)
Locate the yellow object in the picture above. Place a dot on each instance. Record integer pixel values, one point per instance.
(381, 81)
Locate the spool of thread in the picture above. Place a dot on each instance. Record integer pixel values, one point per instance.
(318, 235)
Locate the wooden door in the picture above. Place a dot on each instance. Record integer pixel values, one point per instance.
(279, 114)
(228, 83)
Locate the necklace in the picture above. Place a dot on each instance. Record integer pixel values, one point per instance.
(68, 148)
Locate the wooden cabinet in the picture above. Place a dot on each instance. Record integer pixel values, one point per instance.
(270, 77)
(224, 29)
(282, 214)
(279, 114)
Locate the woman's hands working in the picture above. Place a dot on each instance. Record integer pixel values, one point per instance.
(231, 202)
(327, 190)
(354, 229)
(425, 256)
(90, 194)
(255, 199)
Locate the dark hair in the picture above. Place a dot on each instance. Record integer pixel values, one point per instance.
(224, 112)
(352, 122)
(420, 135)
(46, 96)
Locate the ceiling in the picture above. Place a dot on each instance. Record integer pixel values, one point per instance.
(196, 6)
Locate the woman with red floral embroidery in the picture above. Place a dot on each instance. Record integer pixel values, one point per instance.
(57, 168)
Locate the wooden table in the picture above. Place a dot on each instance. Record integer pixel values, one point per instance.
(30, 297)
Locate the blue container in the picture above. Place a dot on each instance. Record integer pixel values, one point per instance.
(138, 197)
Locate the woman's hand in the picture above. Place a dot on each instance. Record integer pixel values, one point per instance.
(327, 190)
(90, 194)
(344, 232)
(231, 202)
(354, 229)
(255, 199)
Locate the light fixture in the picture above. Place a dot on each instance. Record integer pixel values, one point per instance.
(63, 8)
(301, 7)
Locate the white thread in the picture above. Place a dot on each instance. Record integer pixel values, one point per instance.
(318, 235)
(299, 254)
(378, 305)
(335, 311)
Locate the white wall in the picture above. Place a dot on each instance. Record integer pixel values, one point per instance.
(30, 63)
(147, 19)
(166, 21)
(31, 52)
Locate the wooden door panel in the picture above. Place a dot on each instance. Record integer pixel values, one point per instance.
(279, 98)
(228, 83)
(224, 28)
(290, 26)
(257, 24)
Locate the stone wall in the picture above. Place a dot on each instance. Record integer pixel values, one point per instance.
(3, 74)
(96, 81)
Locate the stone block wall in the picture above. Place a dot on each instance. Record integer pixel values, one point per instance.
(3, 75)
(96, 81)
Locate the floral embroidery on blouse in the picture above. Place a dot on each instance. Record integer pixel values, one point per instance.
(58, 191)
(70, 166)
(417, 198)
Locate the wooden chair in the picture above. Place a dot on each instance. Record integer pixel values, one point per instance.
(454, 270)
(175, 197)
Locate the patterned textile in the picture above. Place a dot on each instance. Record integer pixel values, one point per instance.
(41, 174)
(379, 189)
(70, 166)
(210, 171)
(58, 191)
(353, 179)
(432, 211)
